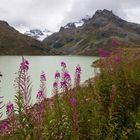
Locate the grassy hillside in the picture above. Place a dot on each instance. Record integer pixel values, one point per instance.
(14, 43)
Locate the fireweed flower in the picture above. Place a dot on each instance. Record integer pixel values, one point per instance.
(77, 75)
(4, 127)
(56, 82)
(57, 75)
(9, 109)
(40, 96)
(66, 81)
(23, 84)
(72, 101)
(39, 109)
(55, 85)
(24, 65)
(103, 53)
(63, 84)
(42, 90)
(63, 64)
(66, 78)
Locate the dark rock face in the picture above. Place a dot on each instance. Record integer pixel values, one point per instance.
(96, 32)
(70, 25)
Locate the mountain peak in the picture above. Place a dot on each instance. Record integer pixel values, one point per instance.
(105, 14)
(38, 34)
(101, 18)
(96, 32)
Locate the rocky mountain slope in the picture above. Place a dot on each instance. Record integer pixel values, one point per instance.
(85, 37)
(38, 34)
(14, 43)
(99, 31)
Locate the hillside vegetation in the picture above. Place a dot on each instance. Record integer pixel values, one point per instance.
(14, 43)
(97, 32)
(108, 108)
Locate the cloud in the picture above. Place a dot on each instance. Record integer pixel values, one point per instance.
(81, 8)
(51, 14)
(34, 13)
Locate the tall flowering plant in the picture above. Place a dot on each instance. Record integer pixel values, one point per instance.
(23, 84)
(9, 110)
(41, 95)
(104, 53)
(56, 83)
(23, 99)
(66, 78)
(73, 102)
(77, 76)
(6, 126)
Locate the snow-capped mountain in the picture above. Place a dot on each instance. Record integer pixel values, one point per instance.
(38, 34)
(77, 23)
(82, 21)
(74, 24)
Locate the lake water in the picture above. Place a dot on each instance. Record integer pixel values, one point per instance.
(9, 65)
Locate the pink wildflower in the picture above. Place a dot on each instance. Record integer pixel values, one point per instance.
(55, 84)
(66, 78)
(63, 64)
(104, 53)
(42, 90)
(63, 84)
(73, 101)
(77, 75)
(4, 127)
(23, 84)
(24, 64)
(9, 109)
(40, 95)
(57, 75)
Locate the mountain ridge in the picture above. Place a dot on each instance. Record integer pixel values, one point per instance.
(12, 42)
(38, 34)
(84, 37)
(96, 32)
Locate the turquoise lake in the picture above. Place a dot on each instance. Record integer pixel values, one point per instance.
(9, 65)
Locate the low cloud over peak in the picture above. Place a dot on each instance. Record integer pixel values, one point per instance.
(29, 14)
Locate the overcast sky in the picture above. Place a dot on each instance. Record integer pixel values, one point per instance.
(51, 14)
